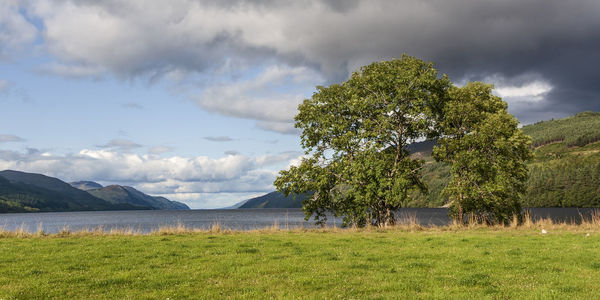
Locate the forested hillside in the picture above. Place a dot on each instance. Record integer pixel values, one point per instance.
(25, 192)
(578, 130)
(565, 171)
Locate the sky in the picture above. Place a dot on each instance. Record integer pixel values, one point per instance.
(194, 100)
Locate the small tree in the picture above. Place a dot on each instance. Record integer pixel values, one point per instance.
(487, 152)
(354, 136)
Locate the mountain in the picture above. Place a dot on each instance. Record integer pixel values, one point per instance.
(86, 185)
(237, 205)
(22, 192)
(30, 192)
(275, 200)
(117, 194)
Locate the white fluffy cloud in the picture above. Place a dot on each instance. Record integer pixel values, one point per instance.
(178, 38)
(15, 30)
(272, 97)
(532, 91)
(130, 38)
(168, 176)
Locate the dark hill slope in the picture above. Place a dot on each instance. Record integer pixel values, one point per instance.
(27, 192)
(127, 195)
(20, 191)
(275, 200)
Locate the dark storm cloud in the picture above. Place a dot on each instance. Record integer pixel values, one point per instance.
(471, 40)
(554, 41)
(557, 40)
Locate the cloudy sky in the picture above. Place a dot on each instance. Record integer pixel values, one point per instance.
(194, 100)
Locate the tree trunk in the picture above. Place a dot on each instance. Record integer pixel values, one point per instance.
(460, 200)
(460, 210)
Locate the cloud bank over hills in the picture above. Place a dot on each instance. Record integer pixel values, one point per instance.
(180, 178)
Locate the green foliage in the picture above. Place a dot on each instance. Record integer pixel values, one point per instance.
(465, 264)
(565, 173)
(559, 175)
(571, 181)
(354, 135)
(436, 176)
(487, 153)
(578, 130)
(14, 206)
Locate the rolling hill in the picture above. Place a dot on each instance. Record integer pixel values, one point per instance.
(23, 192)
(117, 194)
(30, 192)
(275, 200)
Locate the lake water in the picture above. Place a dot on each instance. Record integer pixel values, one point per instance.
(236, 219)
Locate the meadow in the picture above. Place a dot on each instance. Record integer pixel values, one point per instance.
(407, 261)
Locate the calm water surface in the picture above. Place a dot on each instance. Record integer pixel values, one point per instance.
(237, 219)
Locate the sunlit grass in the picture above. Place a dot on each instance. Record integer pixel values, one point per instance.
(405, 261)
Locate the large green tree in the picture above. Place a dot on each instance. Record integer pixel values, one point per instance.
(487, 152)
(354, 136)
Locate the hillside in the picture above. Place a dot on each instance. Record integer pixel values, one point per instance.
(30, 192)
(23, 192)
(565, 171)
(237, 205)
(275, 200)
(575, 131)
(117, 194)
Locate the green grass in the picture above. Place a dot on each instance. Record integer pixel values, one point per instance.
(475, 263)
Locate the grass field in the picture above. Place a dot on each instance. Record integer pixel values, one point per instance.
(396, 263)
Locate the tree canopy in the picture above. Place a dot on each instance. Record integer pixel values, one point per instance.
(487, 152)
(355, 135)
